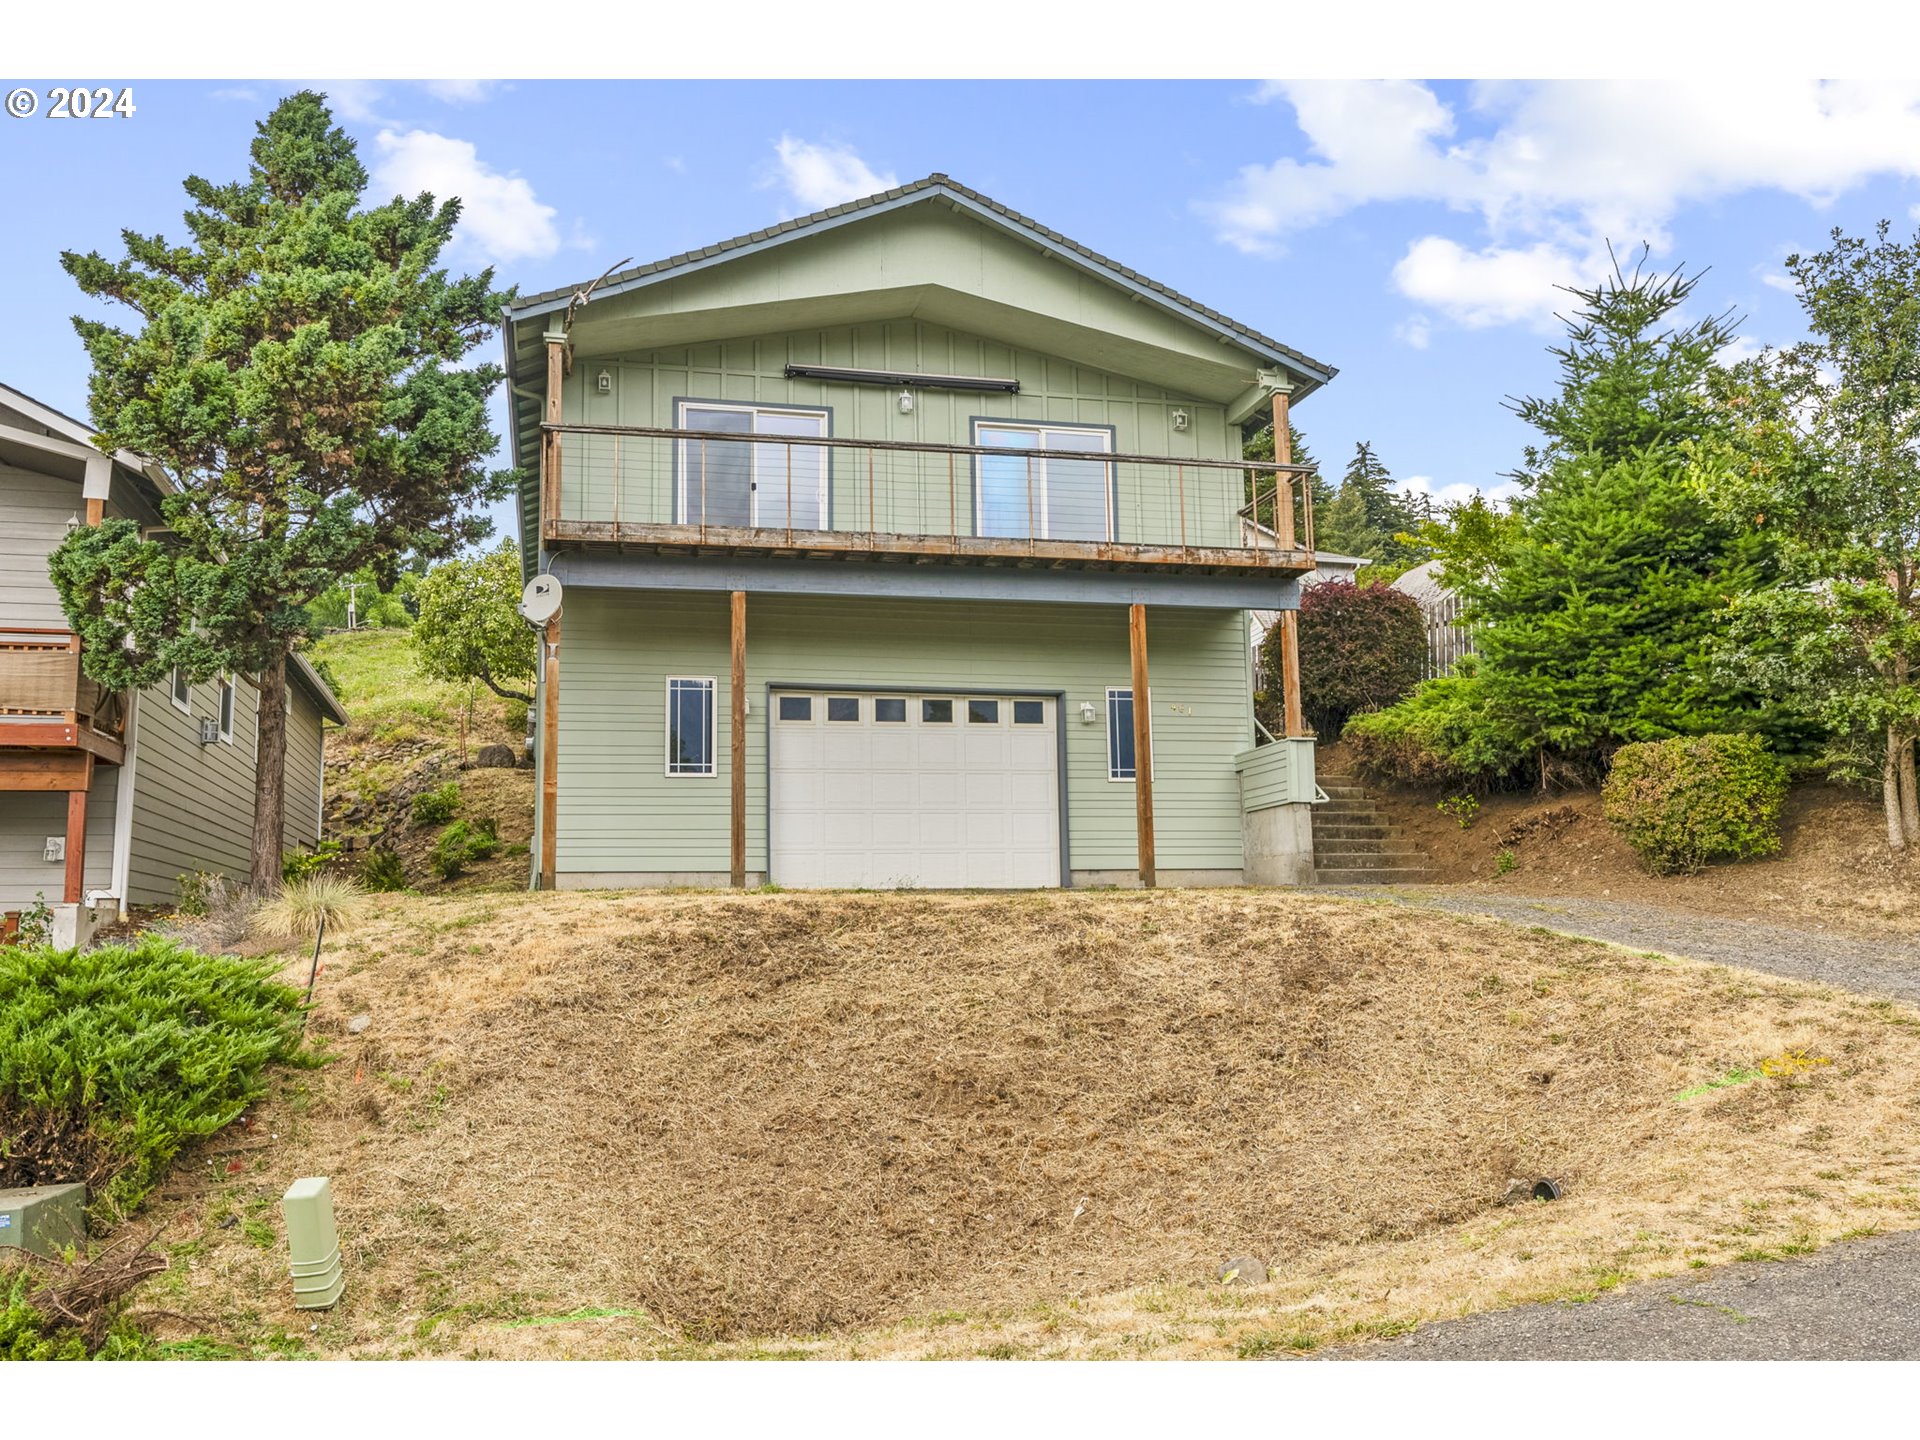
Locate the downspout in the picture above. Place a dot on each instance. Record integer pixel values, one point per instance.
(123, 807)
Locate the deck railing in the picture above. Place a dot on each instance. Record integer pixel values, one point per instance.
(41, 684)
(626, 482)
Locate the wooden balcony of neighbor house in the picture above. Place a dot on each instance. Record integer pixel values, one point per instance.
(46, 703)
(833, 498)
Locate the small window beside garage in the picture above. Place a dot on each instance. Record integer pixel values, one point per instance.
(936, 712)
(1120, 761)
(889, 711)
(796, 707)
(690, 748)
(843, 709)
(1029, 712)
(983, 712)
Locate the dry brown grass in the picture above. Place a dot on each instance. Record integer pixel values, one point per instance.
(1026, 1125)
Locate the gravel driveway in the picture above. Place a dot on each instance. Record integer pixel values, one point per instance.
(1857, 1300)
(1887, 968)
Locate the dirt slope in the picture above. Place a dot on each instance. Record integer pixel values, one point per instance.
(783, 1114)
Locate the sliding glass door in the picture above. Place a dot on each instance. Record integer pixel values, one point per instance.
(1043, 497)
(748, 482)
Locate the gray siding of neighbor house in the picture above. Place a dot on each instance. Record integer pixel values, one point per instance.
(34, 510)
(620, 815)
(27, 819)
(300, 821)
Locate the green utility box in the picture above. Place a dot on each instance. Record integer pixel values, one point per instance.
(317, 1276)
(45, 1219)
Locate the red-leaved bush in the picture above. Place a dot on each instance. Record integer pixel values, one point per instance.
(1361, 648)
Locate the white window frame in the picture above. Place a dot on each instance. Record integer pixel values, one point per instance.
(1152, 754)
(227, 707)
(1040, 508)
(712, 685)
(683, 497)
(175, 686)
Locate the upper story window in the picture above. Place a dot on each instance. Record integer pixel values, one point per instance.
(743, 482)
(182, 690)
(1035, 498)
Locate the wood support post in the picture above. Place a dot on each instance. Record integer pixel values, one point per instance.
(1283, 527)
(550, 756)
(549, 440)
(96, 512)
(738, 772)
(1142, 742)
(76, 876)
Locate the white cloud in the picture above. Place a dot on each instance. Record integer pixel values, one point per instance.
(235, 92)
(1780, 281)
(356, 100)
(1415, 331)
(500, 217)
(1458, 492)
(460, 92)
(1550, 170)
(819, 175)
(1741, 347)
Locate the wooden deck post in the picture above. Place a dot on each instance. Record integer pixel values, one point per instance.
(549, 440)
(1142, 743)
(1295, 723)
(738, 772)
(1283, 527)
(76, 876)
(550, 756)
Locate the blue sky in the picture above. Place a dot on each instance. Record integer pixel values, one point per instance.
(1409, 233)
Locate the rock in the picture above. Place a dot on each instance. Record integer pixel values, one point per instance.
(358, 1024)
(1243, 1270)
(494, 757)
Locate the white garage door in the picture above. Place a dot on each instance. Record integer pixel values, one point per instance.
(944, 791)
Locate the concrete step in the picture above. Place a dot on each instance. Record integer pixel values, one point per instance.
(1348, 815)
(1396, 849)
(1368, 860)
(1351, 830)
(1354, 875)
(1343, 792)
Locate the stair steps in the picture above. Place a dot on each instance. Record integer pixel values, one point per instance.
(1355, 844)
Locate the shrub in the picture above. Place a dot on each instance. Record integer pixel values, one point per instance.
(1362, 647)
(199, 892)
(460, 844)
(112, 1059)
(1444, 733)
(383, 871)
(299, 865)
(436, 806)
(1464, 808)
(296, 912)
(1681, 803)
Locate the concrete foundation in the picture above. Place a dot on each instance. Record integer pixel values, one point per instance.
(73, 925)
(1279, 845)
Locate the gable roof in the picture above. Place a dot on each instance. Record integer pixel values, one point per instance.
(938, 186)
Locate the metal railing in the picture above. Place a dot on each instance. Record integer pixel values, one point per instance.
(41, 680)
(619, 482)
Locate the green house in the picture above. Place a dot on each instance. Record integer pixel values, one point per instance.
(908, 543)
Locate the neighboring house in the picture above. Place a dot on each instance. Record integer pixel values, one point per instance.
(1447, 638)
(103, 795)
(867, 524)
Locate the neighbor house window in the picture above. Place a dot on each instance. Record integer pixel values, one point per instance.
(690, 747)
(749, 482)
(226, 708)
(182, 690)
(1031, 497)
(1120, 764)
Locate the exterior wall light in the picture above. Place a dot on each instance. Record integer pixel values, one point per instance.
(905, 402)
(1179, 419)
(604, 382)
(1086, 712)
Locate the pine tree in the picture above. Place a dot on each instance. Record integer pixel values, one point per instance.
(297, 369)
(1368, 516)
(1597, 624)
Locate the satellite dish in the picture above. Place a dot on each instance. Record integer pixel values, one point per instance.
(540, 601)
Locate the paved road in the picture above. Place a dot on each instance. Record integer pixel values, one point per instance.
(1888, 968)
(1859, 1300)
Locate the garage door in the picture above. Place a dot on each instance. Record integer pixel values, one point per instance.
(887, 791)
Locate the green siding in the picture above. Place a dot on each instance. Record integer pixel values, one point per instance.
(1278, 773)
(910, 493)
(619, 813)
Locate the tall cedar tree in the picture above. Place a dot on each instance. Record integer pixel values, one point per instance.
(1827, 460)
(1596, 624)
(292, 368)
(1367, 516)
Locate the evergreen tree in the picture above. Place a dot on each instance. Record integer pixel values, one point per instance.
(1369, 517)
(1597, 623)
(297, 368)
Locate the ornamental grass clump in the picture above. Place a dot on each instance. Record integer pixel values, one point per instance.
(1684, 802)
(113, 1059)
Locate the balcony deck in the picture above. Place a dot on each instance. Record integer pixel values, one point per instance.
(47, 703)
(675, 492)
